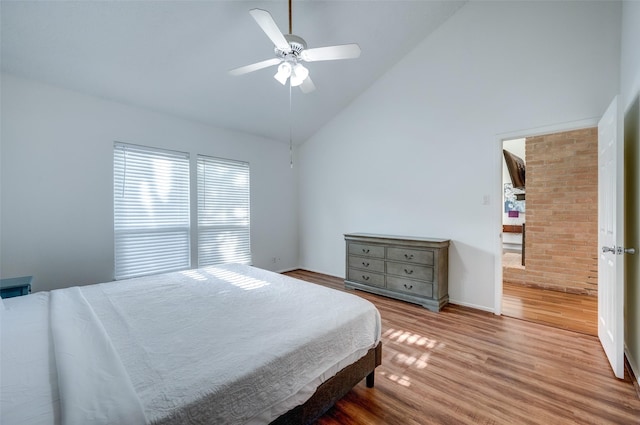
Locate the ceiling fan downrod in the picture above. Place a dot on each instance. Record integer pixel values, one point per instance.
(290, 21)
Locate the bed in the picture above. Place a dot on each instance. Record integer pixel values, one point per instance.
(221, 345)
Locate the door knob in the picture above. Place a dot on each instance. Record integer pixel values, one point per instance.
(619, 250)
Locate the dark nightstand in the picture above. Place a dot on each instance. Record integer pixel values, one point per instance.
(15, 286)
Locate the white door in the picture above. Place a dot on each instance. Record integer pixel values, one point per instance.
(610, 237)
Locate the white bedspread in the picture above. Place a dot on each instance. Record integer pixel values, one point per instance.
(28, 377)
(93, 384)
(225, 345)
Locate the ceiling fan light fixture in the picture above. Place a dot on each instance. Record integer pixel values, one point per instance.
(284, 71)
(298, 75)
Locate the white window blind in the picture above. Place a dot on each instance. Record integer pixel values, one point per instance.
(151, 210)
(223, 211)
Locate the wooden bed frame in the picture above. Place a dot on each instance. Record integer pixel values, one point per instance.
(334, 389)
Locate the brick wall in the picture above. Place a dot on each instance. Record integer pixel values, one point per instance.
(562, 211)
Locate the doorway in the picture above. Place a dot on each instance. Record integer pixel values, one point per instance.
(549, 219)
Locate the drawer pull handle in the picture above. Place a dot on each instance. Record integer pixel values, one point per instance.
(408, 256)
(408, 271)
(365, 277)
(408, 286)
(365, 250)
(365, 264)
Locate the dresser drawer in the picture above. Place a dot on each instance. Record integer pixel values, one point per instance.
(412, 271)
(409, 286)
(361, 276)
(376, 251)
(412, 255)
(366, 263)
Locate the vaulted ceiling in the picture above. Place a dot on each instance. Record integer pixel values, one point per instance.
(173, 56)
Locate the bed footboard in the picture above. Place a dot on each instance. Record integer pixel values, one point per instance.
(334, 389)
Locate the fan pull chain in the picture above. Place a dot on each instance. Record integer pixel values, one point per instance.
(290, 130)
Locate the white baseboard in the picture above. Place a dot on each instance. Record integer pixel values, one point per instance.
(470, 305)
(287, 270)
(319, 271)
(633, 364)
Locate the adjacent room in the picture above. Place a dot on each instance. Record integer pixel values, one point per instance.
(319, 211)
(550, 274)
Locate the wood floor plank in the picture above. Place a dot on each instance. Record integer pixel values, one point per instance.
(466, 366)
(564, 310)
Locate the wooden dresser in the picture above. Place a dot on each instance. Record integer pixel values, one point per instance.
(403, 267)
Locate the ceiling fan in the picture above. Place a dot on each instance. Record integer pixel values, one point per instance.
(291, 51)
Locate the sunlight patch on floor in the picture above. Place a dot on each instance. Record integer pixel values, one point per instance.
(410, 338)
(425, 347)
(418, 362)
(403, 380)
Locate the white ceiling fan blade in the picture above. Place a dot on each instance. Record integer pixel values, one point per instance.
(254, 66)
(344, 51)
(307, 86)
(268, 25)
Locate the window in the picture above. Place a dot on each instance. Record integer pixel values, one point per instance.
(151, 210)
(223, 211)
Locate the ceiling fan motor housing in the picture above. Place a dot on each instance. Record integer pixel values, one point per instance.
(297, 45)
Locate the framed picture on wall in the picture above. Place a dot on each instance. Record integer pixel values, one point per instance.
(511, 204)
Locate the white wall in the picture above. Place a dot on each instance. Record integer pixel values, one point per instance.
(57, 181)
(416, 153)
(630, 58)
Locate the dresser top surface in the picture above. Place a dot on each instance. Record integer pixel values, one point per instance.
(15, 282)
(394, 237)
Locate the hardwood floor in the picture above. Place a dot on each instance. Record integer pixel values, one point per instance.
(576, 312)
(466, 366)
(559, 309)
